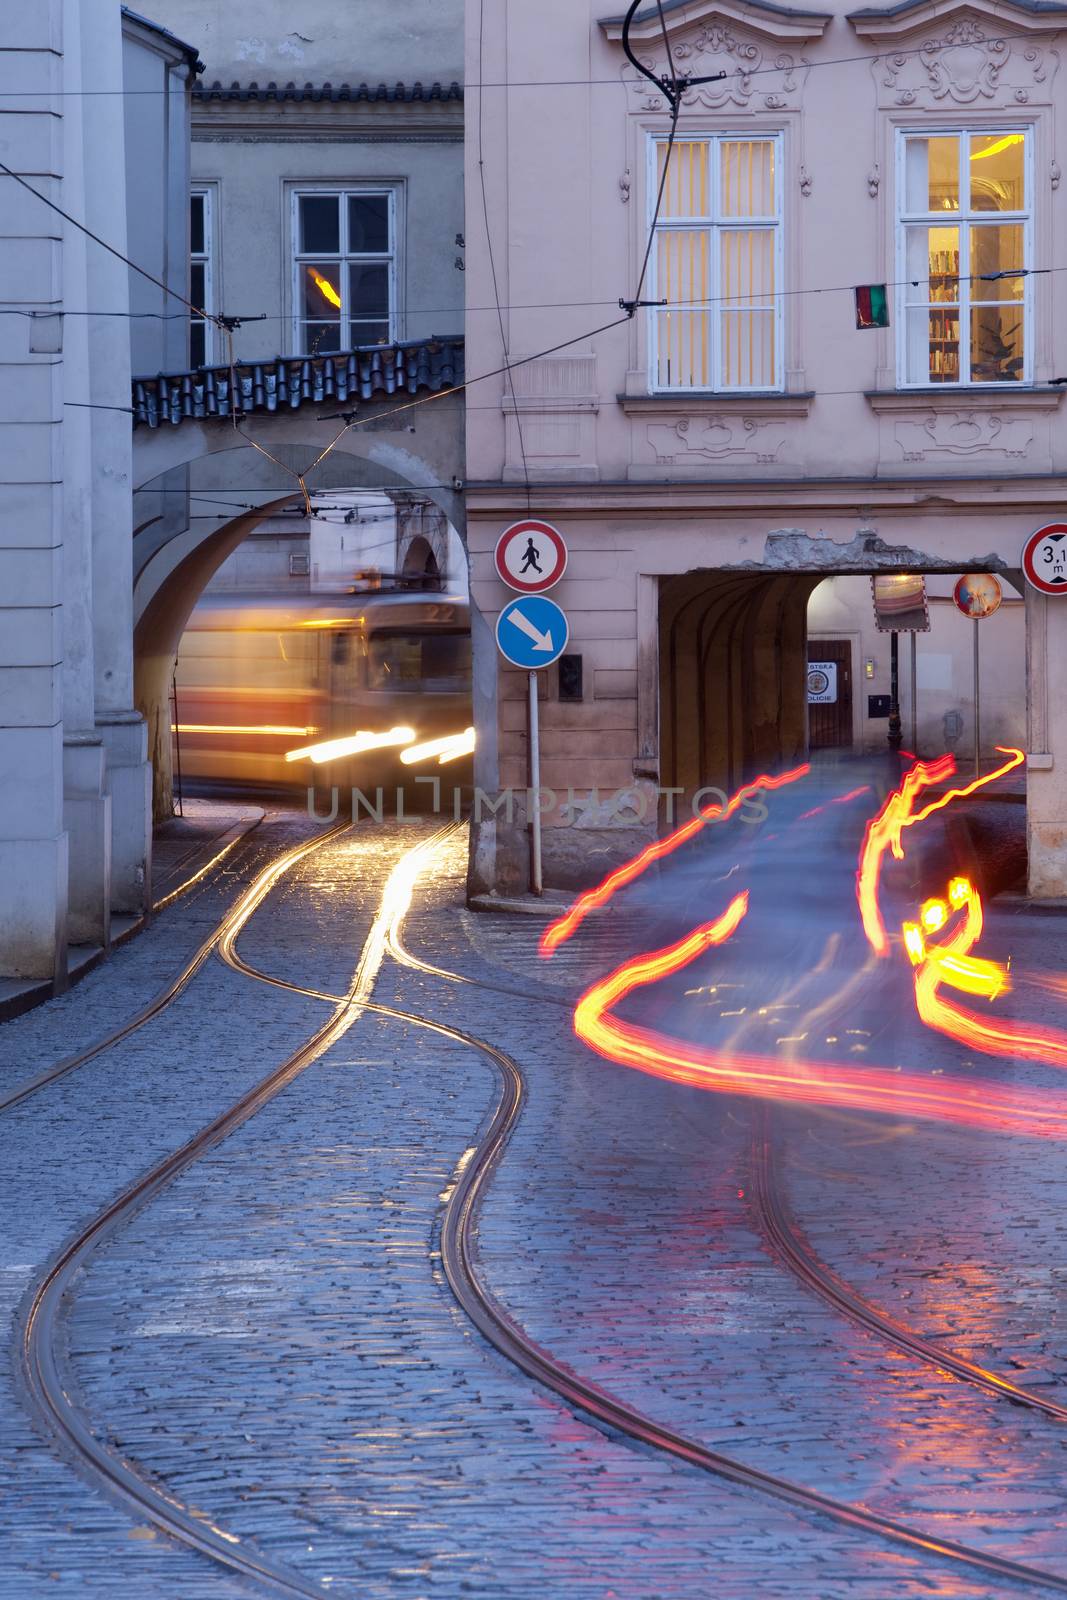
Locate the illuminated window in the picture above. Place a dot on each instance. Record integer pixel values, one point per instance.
(964, 248)
(344, 291)
(201, 276)
(716, 262)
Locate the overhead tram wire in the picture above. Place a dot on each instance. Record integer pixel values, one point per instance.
(571, 83)
(510, 378)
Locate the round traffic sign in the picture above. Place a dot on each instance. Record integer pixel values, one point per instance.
(978, 594)
(531, 632)
(1045, 558)
(531, 556)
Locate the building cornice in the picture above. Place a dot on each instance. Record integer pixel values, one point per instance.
(969, 399)
(790, 500)
(883, 24)
(759, 16)
(702, 405)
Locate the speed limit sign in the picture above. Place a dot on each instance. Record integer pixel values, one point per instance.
(1045, 558)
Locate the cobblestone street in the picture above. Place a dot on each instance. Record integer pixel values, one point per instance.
(271, 1339)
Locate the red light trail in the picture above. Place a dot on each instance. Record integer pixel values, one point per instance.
(953, 1100)
(562, 929)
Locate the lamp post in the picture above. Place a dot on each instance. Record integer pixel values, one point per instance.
(894, 736)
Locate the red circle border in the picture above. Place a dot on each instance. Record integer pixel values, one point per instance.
(1028, 548)
(531, 524)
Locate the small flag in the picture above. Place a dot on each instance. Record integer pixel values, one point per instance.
(872, 307)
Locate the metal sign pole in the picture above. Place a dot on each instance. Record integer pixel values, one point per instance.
(536, 885)
(914, 696)
(978, 709)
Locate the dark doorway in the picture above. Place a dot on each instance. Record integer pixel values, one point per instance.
(830, 677)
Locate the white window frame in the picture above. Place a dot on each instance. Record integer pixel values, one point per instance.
(206, 258)
(964, 218)
(713, 225)
(343, 258)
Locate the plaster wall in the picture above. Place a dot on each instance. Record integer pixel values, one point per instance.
(841, 608)
(842, 471)
(319, 41)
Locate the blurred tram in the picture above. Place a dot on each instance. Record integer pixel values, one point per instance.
(361, 688)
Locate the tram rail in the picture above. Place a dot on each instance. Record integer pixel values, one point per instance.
(39, 1333)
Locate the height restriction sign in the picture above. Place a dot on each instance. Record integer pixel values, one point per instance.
(1045, 558)
(531, 556)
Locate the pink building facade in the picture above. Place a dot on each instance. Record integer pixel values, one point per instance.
(712, 458)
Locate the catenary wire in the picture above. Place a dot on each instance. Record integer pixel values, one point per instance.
(204, 92)
(492, 264)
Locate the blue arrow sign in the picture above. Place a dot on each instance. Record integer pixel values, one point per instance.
(532, 632)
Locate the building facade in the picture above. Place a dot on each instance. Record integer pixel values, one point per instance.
(712, 458)
(325, 218)
(75, 843)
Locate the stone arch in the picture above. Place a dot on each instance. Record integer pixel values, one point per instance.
(420, 561)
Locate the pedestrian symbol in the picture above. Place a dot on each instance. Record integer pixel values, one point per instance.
(531, 632)
(530, 559)
(531, 556)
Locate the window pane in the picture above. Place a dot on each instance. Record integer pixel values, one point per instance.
(997, 169)
(932, 174)
(368, 224)
(321, 289)
(368, 290)
(370, 333)
(197, 285)
(932, 264)
(996, 248)
(688, 184)
(196, 224)
(319, 228)
(682, 265)
(747, 266)
(996, 344)
(933, 346)
(748, 354)
(682, 350)
(321, 337)
(197, 344)
(747, 172)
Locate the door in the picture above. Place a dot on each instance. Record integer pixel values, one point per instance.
(829, 693)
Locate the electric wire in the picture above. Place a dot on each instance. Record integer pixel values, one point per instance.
(492, 265)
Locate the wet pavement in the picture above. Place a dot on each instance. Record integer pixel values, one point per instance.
(272, 1339)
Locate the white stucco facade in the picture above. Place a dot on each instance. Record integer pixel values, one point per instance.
(75, 839)
(701, 514)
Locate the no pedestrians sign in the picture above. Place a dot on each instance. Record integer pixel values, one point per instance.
(531, 556)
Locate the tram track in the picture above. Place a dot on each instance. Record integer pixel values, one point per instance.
(459, 1261)
(795, 1251)
(233, 920)
(194, 1529)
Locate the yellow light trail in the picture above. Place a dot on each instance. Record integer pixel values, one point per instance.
(353, 745)
(446, 748)
(218, 727)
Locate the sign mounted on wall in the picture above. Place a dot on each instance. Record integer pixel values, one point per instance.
(1045, 559)
(978, 594)
(822, 683)
(531, 556)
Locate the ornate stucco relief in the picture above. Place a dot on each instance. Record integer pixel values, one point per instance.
(779, 85)
(716, 438)
(964, 434)
(969, 63)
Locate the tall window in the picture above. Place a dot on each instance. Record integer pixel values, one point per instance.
(717, 264)
(345, 261)
(201, 285)
(964, 246)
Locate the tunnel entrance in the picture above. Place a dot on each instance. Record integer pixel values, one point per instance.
(758, 669)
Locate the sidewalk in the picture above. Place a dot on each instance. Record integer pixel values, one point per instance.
(184, 849)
